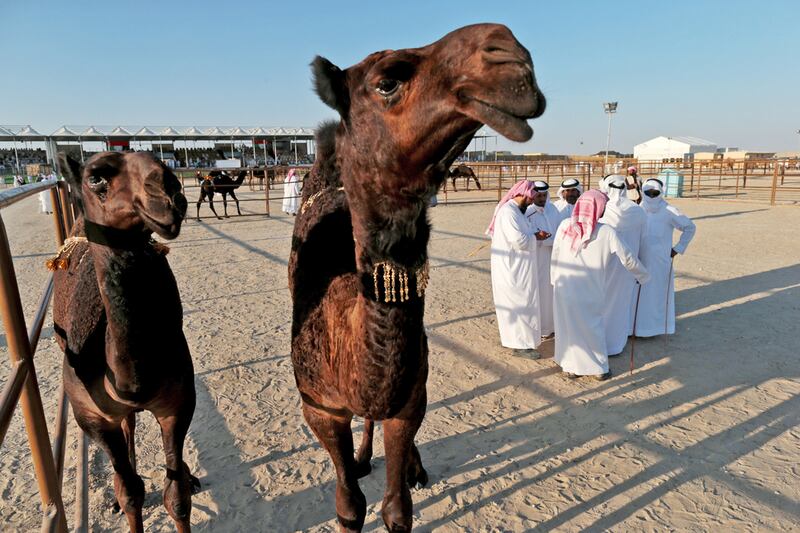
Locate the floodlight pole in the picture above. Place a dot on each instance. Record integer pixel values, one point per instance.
(610, 108)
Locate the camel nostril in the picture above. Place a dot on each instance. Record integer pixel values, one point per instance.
(498, 53)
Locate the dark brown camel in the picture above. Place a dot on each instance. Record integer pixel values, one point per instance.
(117, 315)
(218, 181)
(358, 266)
(462, 171)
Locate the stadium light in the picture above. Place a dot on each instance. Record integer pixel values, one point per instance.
(610, 108)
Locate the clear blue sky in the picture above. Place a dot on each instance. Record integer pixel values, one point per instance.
(722, 70)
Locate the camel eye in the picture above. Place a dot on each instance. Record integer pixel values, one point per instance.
(387, 87)
(97, 182)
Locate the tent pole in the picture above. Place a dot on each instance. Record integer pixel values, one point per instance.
(295, 150)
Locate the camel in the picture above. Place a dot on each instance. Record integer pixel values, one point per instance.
(118, 318)
(358, 264)
(219, 181)
(462, 171)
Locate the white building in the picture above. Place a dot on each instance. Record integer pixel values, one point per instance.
(672, 148)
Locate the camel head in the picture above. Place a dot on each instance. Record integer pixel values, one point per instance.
(407, 114)
(129, 191)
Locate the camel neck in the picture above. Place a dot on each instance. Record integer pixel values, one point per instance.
(143, 313)
(389, 224)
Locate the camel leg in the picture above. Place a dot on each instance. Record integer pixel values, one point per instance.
(200, 201)
(364, 454)
(233, 195)
(477, 183)
(454, 185)
(211, 205)
(398, 437)
(128, 429)
(128, 486)
(335, 435)
(225, 204)
(179, 483)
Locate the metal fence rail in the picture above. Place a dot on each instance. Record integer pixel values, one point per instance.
(22, 386)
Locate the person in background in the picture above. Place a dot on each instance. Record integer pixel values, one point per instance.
(544, 217)
(634, 184)
(657, 300)
(514, 272)
(628, 220)
(568, 194)
(291, 193)
(583, 253)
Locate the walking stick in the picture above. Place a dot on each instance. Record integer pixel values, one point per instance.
(635, 315)
(666, 305)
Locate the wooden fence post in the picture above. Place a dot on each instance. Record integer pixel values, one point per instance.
(699, 179)
(744, 174)
(266, 190)
(774, 184)
(500, 185)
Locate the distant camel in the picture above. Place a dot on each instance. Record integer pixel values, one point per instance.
(218, 181)
(118, 318)
(462, 171)
(358, 268)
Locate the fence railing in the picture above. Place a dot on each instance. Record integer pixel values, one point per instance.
(22, 386)
(774, 181)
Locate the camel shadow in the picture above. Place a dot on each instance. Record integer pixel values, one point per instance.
(528, 450)
(571, 437)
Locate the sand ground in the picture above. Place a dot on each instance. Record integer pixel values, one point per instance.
(703, 436)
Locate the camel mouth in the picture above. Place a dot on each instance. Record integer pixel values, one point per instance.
(513, 126)
(168, 229)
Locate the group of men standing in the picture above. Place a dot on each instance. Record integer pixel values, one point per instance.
(578, 268)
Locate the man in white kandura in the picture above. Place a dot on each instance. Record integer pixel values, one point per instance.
(514, 276)
(568, 194)
(291, 193)
(544, 217)
(657, 301)
(628, 220)
(582, 255)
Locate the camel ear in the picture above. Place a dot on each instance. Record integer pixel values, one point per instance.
(330, 83)
(71, 170)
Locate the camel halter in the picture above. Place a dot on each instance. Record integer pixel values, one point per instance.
(395, 281)
(105, 236)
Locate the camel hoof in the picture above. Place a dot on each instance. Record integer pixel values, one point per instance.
(350, 525)
(363, 468)
(418, 480)
(195, 483)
